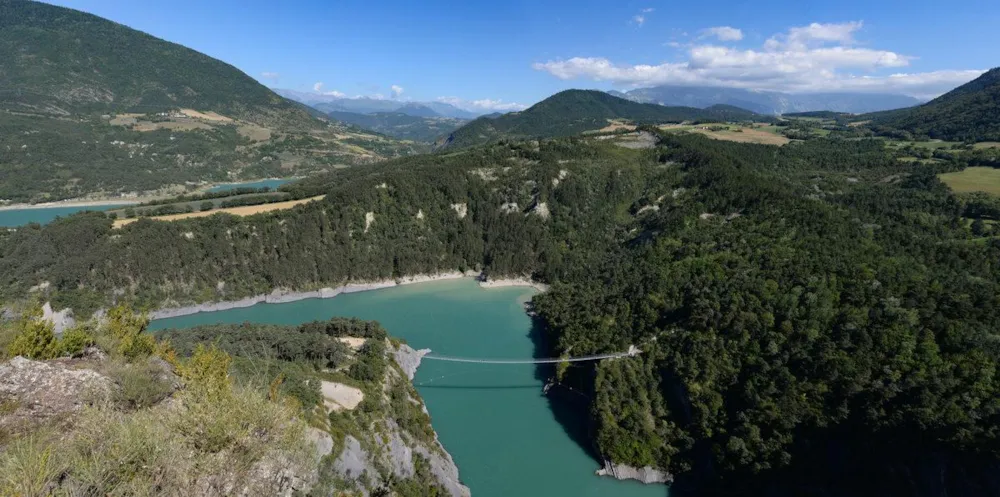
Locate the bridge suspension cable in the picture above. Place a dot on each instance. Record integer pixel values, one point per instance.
(632, 351)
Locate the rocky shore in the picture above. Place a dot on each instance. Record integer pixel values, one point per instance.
(280, 296)
(504, 282)
(647, 474)
(367, 460)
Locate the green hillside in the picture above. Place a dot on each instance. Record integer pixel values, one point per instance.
(813, 314)
(970, 112)
(574, 111)
(400, 125)
(89, 106)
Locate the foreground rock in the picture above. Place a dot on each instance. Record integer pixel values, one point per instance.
(33, 392)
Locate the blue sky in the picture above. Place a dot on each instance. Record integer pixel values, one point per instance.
(500, 55)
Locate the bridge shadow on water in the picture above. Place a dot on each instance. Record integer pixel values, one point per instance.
(480, 387)
(569, 407)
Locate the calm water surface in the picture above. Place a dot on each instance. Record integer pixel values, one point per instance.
(20, 217)
(271, 183)
(493, 419)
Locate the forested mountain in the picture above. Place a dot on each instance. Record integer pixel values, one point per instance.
(368, 105)
(768, 102)
(814, 318)
(572, 112)
(92, 106)
(62, 61)
(401, 125)
(970, 112)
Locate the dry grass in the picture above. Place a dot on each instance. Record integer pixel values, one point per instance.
(171, 125)
(974, 179)
(746, 136)
(615, 125)
(987, 145)
(208, 116)
(255, 133)
(246, 210)
(760, 135)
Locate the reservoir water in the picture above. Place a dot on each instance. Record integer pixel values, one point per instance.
(42, 215)
(493, 419)
(270, 183)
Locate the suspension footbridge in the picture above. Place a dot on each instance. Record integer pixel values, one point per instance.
(631, 352)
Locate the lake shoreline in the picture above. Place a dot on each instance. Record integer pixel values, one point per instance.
(78, 202)
(281, 296)
(68, 203)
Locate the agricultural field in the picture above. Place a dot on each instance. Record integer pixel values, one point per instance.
(763, 134)
(973, 179)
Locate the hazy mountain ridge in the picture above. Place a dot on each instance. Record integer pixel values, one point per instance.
(369, 105)
(572, 112)
(768, 102)
(401, 125)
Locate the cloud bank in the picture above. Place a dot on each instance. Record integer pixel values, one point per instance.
(814, 58)
(482, 105)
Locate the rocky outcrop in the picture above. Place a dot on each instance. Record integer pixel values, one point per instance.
(61, 320)
(369, 460)
(645, 474)
(409, 359)
(32, 392)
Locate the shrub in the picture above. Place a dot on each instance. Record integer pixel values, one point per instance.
(35, 338)
(207, 206)
(74, 340)
(206, 373)
(127, 330)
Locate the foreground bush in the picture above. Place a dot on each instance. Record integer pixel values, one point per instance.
(213, 439)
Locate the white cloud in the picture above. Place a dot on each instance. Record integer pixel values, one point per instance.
(270, 75)
(318, 88)
(817, 57)
(648, 10)
(396, 91)
(482, 105)
(640, 20)
(723, 33)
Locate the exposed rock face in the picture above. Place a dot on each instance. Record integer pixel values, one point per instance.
(409, 359)
(33, 392)
(645, 474)
(392, 452)
(62, 320)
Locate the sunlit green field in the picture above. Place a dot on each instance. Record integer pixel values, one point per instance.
(974, 179)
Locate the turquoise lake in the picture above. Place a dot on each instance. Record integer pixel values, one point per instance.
(493, 419)
(270, 183)
(20, 217)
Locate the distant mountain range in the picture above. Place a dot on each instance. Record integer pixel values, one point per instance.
(572, 112)
(401, 125)
(367, 105)
(767, 102)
